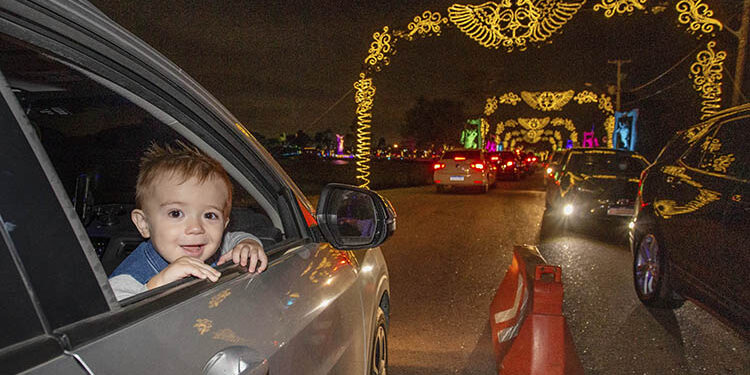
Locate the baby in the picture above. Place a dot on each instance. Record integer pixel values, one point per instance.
(183, 200)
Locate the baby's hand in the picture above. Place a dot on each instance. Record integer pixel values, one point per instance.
(182, 268)
(248, 253)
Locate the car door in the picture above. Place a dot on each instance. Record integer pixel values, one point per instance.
(690, 210)
(303, 315)
(730, 161)
(27, 343)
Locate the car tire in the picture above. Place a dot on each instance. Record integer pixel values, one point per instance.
(650, 273)
(379, 352)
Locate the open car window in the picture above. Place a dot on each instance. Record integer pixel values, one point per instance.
(94, 138)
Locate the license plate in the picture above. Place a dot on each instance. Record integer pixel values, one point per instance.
(620, 211)
(457, 178)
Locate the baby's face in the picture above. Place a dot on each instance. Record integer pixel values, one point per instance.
(184, 219)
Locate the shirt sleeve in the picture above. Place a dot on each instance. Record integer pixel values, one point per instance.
(232, 239)
(126, 286)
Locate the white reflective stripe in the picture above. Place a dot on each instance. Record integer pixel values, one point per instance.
(80, 362)
(510, 313)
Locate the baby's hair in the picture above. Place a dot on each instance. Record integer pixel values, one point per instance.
(182, 161)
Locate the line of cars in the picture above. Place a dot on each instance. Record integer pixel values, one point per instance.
(471, 168)
(687, 214)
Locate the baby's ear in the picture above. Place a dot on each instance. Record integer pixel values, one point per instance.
(226, 222)
(139, 219)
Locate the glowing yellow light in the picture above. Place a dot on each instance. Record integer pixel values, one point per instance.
(605, 104)
(706, 73)
(379, 48)
(669, 208)
(697, 15)
(586, 97)
(612, 7)
(609, 126)
(512, 24)
(547, 100)
(509, 98)
(427, 24)
(363, 97)
(491, 106)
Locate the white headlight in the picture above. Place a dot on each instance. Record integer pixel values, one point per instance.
(631, 225)
(567, 209)
(549, 170)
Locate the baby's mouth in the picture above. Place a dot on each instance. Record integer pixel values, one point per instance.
(193, 250)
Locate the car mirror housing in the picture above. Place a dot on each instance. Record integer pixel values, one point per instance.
(352, 218)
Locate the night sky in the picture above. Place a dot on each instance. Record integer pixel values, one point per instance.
(280, 65)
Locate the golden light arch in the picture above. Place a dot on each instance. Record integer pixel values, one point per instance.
(516, 24)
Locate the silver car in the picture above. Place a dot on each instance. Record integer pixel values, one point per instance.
(81, 99)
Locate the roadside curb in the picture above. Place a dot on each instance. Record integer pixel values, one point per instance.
(530, 334)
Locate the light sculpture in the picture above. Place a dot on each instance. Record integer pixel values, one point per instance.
(512, 24)
(624, 134)
(547, 100)
(612, 7)
(365, 91)
(697, 16)
(706, 73)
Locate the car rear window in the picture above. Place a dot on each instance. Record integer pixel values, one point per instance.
(460, 154)
(506, 155)
(605, 163)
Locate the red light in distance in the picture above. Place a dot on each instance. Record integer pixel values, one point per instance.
(437, 166)
(459, 158)
(510, 163)
(478, 166)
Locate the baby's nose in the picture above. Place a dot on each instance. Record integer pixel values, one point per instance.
(194, 226)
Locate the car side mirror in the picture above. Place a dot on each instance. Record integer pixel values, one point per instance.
(352, 218)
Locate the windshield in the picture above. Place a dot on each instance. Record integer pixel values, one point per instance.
(462, 154)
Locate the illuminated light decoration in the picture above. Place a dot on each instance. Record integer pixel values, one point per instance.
(679, 172)
(339, 144)
(624, 134)
(512, 24)
(697, 16)
(586, 97)
(589, 140)
(484, 127)
(612, 7)
(379, 48)
(491, 106)
(605, 104)
(471, 137)
(706, 73)
(428, 23)
(363, 97)
(668, 208)
(609, 127)
(509, 98)
(547, 100)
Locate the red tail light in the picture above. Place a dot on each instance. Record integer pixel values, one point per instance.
(459, 158)
(534, 158)
(494, 158)
(437, 166)
(477, 166)
(509, 163)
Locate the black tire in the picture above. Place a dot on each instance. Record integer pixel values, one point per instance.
(379, 352)
(651, 274)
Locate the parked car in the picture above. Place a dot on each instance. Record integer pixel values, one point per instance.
(595, 185)
(464, 169)
(690, 235)
(81, 99)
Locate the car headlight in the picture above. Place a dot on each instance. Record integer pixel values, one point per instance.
(567, 209)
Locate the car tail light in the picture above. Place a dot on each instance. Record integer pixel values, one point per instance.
(477, 166)
(534, 158)
(437, 166)
(459, 158)
(494, 158)
(509, 163)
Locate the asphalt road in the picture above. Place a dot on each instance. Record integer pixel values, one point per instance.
(450, 253)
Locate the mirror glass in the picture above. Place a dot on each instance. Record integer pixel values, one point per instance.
(354, 216)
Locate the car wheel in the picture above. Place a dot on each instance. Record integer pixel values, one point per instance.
(379, 354)
(650, 274)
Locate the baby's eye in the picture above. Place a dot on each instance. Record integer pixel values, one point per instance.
(175, 214)
(211, 215)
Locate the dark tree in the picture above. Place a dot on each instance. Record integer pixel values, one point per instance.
(435, 121)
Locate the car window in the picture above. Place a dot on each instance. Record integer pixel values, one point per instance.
(95, 138)
(462, 154)
(726, 151)
(605, 164)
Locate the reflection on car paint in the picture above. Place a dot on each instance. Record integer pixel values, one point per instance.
(330, 264)
(679, 172)
(228, 335)
(219, 298)
(668, 208)
(203, 325)
(696, 132)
